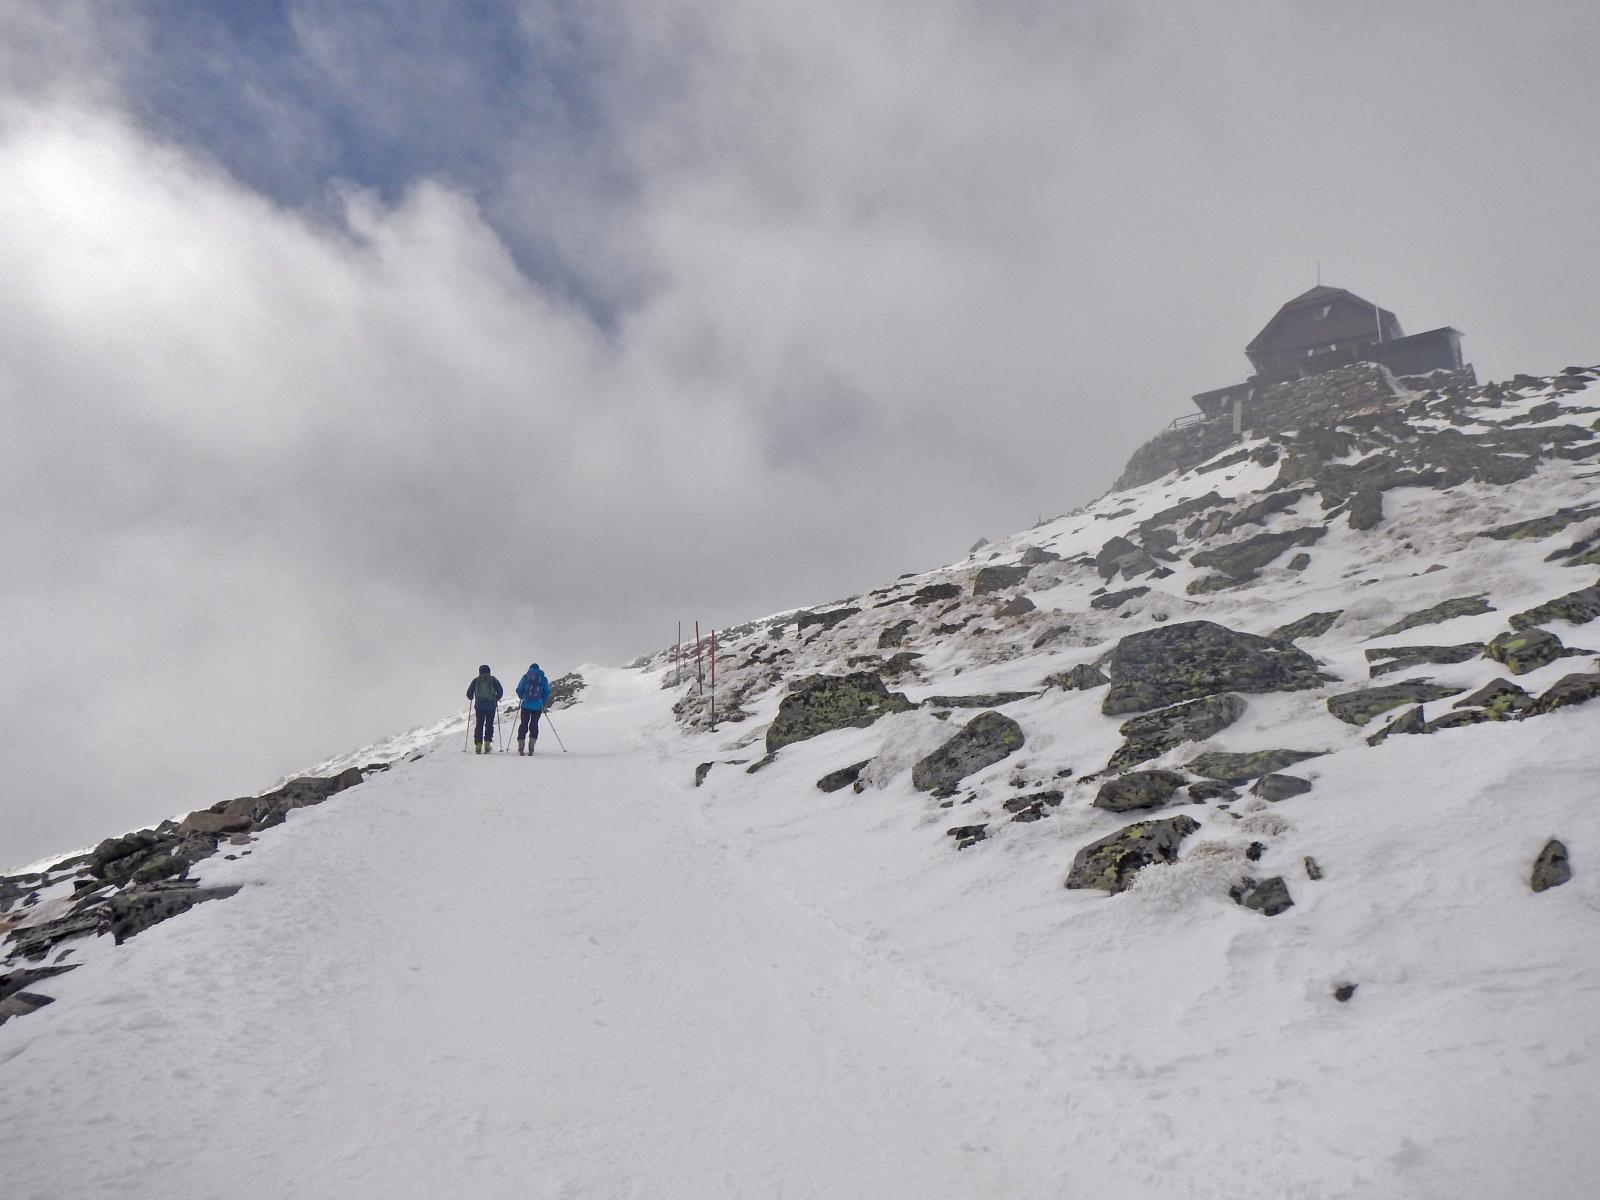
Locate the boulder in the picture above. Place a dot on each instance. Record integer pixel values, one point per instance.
(214, 823)
(843, 777)
(983, 741)
(1209, 789)
(1280, 787)
(1114, 600)
(894, 635)
(1241, 560)
(1017, 606)
(1082, 677)
(1310, 626)
(274, 807)
(822, 703)
(1111, 863)
(1119, 554)
(1434, 614)
(1524, 650)
(1366, 508)
(934, 593)
(1190, 659)
(1388, 659)
(1552, 867)
(1565, 692)
(701, 771)
(1034, 556)
(1153, 734)
(1579, 607)
(995, 579)
(1410, 721)
(1499, 698)
(1359, 707)
(1138, 789)
(1242, 768)
(827, 620)
(1267, 896)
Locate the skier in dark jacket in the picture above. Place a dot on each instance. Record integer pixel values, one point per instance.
(484, 692)
(534, 691)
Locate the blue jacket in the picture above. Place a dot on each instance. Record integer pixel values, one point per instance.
(482, 703)
(534, 688)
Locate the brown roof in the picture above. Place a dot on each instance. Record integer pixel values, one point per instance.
(1347, 317)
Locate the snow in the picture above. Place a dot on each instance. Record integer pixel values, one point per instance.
(579, 975)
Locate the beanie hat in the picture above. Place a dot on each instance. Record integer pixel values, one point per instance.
(483, 670)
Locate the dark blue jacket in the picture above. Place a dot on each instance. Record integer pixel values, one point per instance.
(534, 688)
(480, 702)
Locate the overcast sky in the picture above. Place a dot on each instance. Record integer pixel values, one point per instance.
(345, 344)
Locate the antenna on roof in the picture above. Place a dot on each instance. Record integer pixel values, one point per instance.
(1319, 273)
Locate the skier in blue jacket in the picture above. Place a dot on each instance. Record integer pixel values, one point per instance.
(484, 692)
(534, 691)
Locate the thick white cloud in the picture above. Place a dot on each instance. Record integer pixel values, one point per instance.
(873, 278)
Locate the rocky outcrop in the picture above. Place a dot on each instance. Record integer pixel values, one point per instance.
(1277, 787)
(1389, 659)
(1114, 600)
(1191, 659)
(995, 579)
(1082, 677)
(1578, 607)
(1312, 625)
(1153, 734)
(1445, 610)
(843, 777)
(1111, 863)
(1565, 692)
(1525, 650)
(985, 740)
(1138, 789)
(1240, 561)
(822, 703)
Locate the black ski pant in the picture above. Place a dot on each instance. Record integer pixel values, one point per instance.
(528, 726)
(483, 731)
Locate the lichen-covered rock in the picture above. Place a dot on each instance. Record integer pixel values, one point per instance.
(980, 700)
(1033, 807)
(1565, 692)
(1242, 768)
(983, 741)
(1083, 677)
(1111, 863)
(1579, 607)
(1524, 650)
(1266, 896)
(1359, 707)
(1389, 659)
(1190, 659)
(894, 635)
(1410, 721)
(1552, 867)
(1309, 626)
(1153, 734)
(136, 909)
(1434, 614)
(1499, 698)
(1138, 789)
(1241, 560)
(1277, 787)
(1457, 718)
(843, 777)
(1211, 789)
(994, 579)
(822, 703)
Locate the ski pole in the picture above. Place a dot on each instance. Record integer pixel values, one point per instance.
(552, 725)
(466, 735)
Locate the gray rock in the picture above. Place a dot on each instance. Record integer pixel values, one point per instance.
(1241, 560)
(822, 703)
(1579, 607)
(1033, 807)
(1313, 869)
(1310, 626)
(1280, 787)
(980, 700)
(1525, 650)
(934, 593)
(894, 635)
(1190, 659)
(1565, 692)
(1500, 698)
(1552, 867)
(1153, 734)
(20, 1004)
(1267, 896)
(827, 620)
(1112, 600)
(968, 835)
(843, 777)
(1366, 509)
(1299, 562)
(1344, 991)
(136, 909)
(1410, 721)
(1389, 659)
(1209, 789)
(1017, 606)
(701, 771)
(986, 739)
(1034, 556)
(1541, 527)
(1242, 768)
(1082, 677)
(1119, 554)
(1359, 707)
(1434, 614)
(995, 579)
(1111, 863)
(1138, 789)
(25, 977)
(213, 823)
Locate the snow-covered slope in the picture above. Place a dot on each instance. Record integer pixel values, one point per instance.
(584, 975)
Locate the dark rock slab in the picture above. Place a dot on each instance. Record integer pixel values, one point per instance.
(1280, 787)
(980, 700)
(1211, 789)
(1434, 614)
(1119, 554)
(1359, 707)
(894, 635)
(820, 704)
(1500, 698)
(934, 593)
(1579, 607)
(1240, 768)
(1552, 867)
(1266, 896)
(1457, 718)
(1111, 863)
(843, 777)
(25, 977)
(701, 771)
(1309, 626)
(136, 909)
(1017, 606)
(968, 835)
(1035, 556)
(1190, 659)
(1082, 677)
(983, 741)
(1112, 600)
(826, 620)
(20, 1004)
(1181, 511)
(1033, 807)
(1153, 734)
(1366, 509)
(1389, 659)
(1138, 789)
(1540, 527)
(1410, 721)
